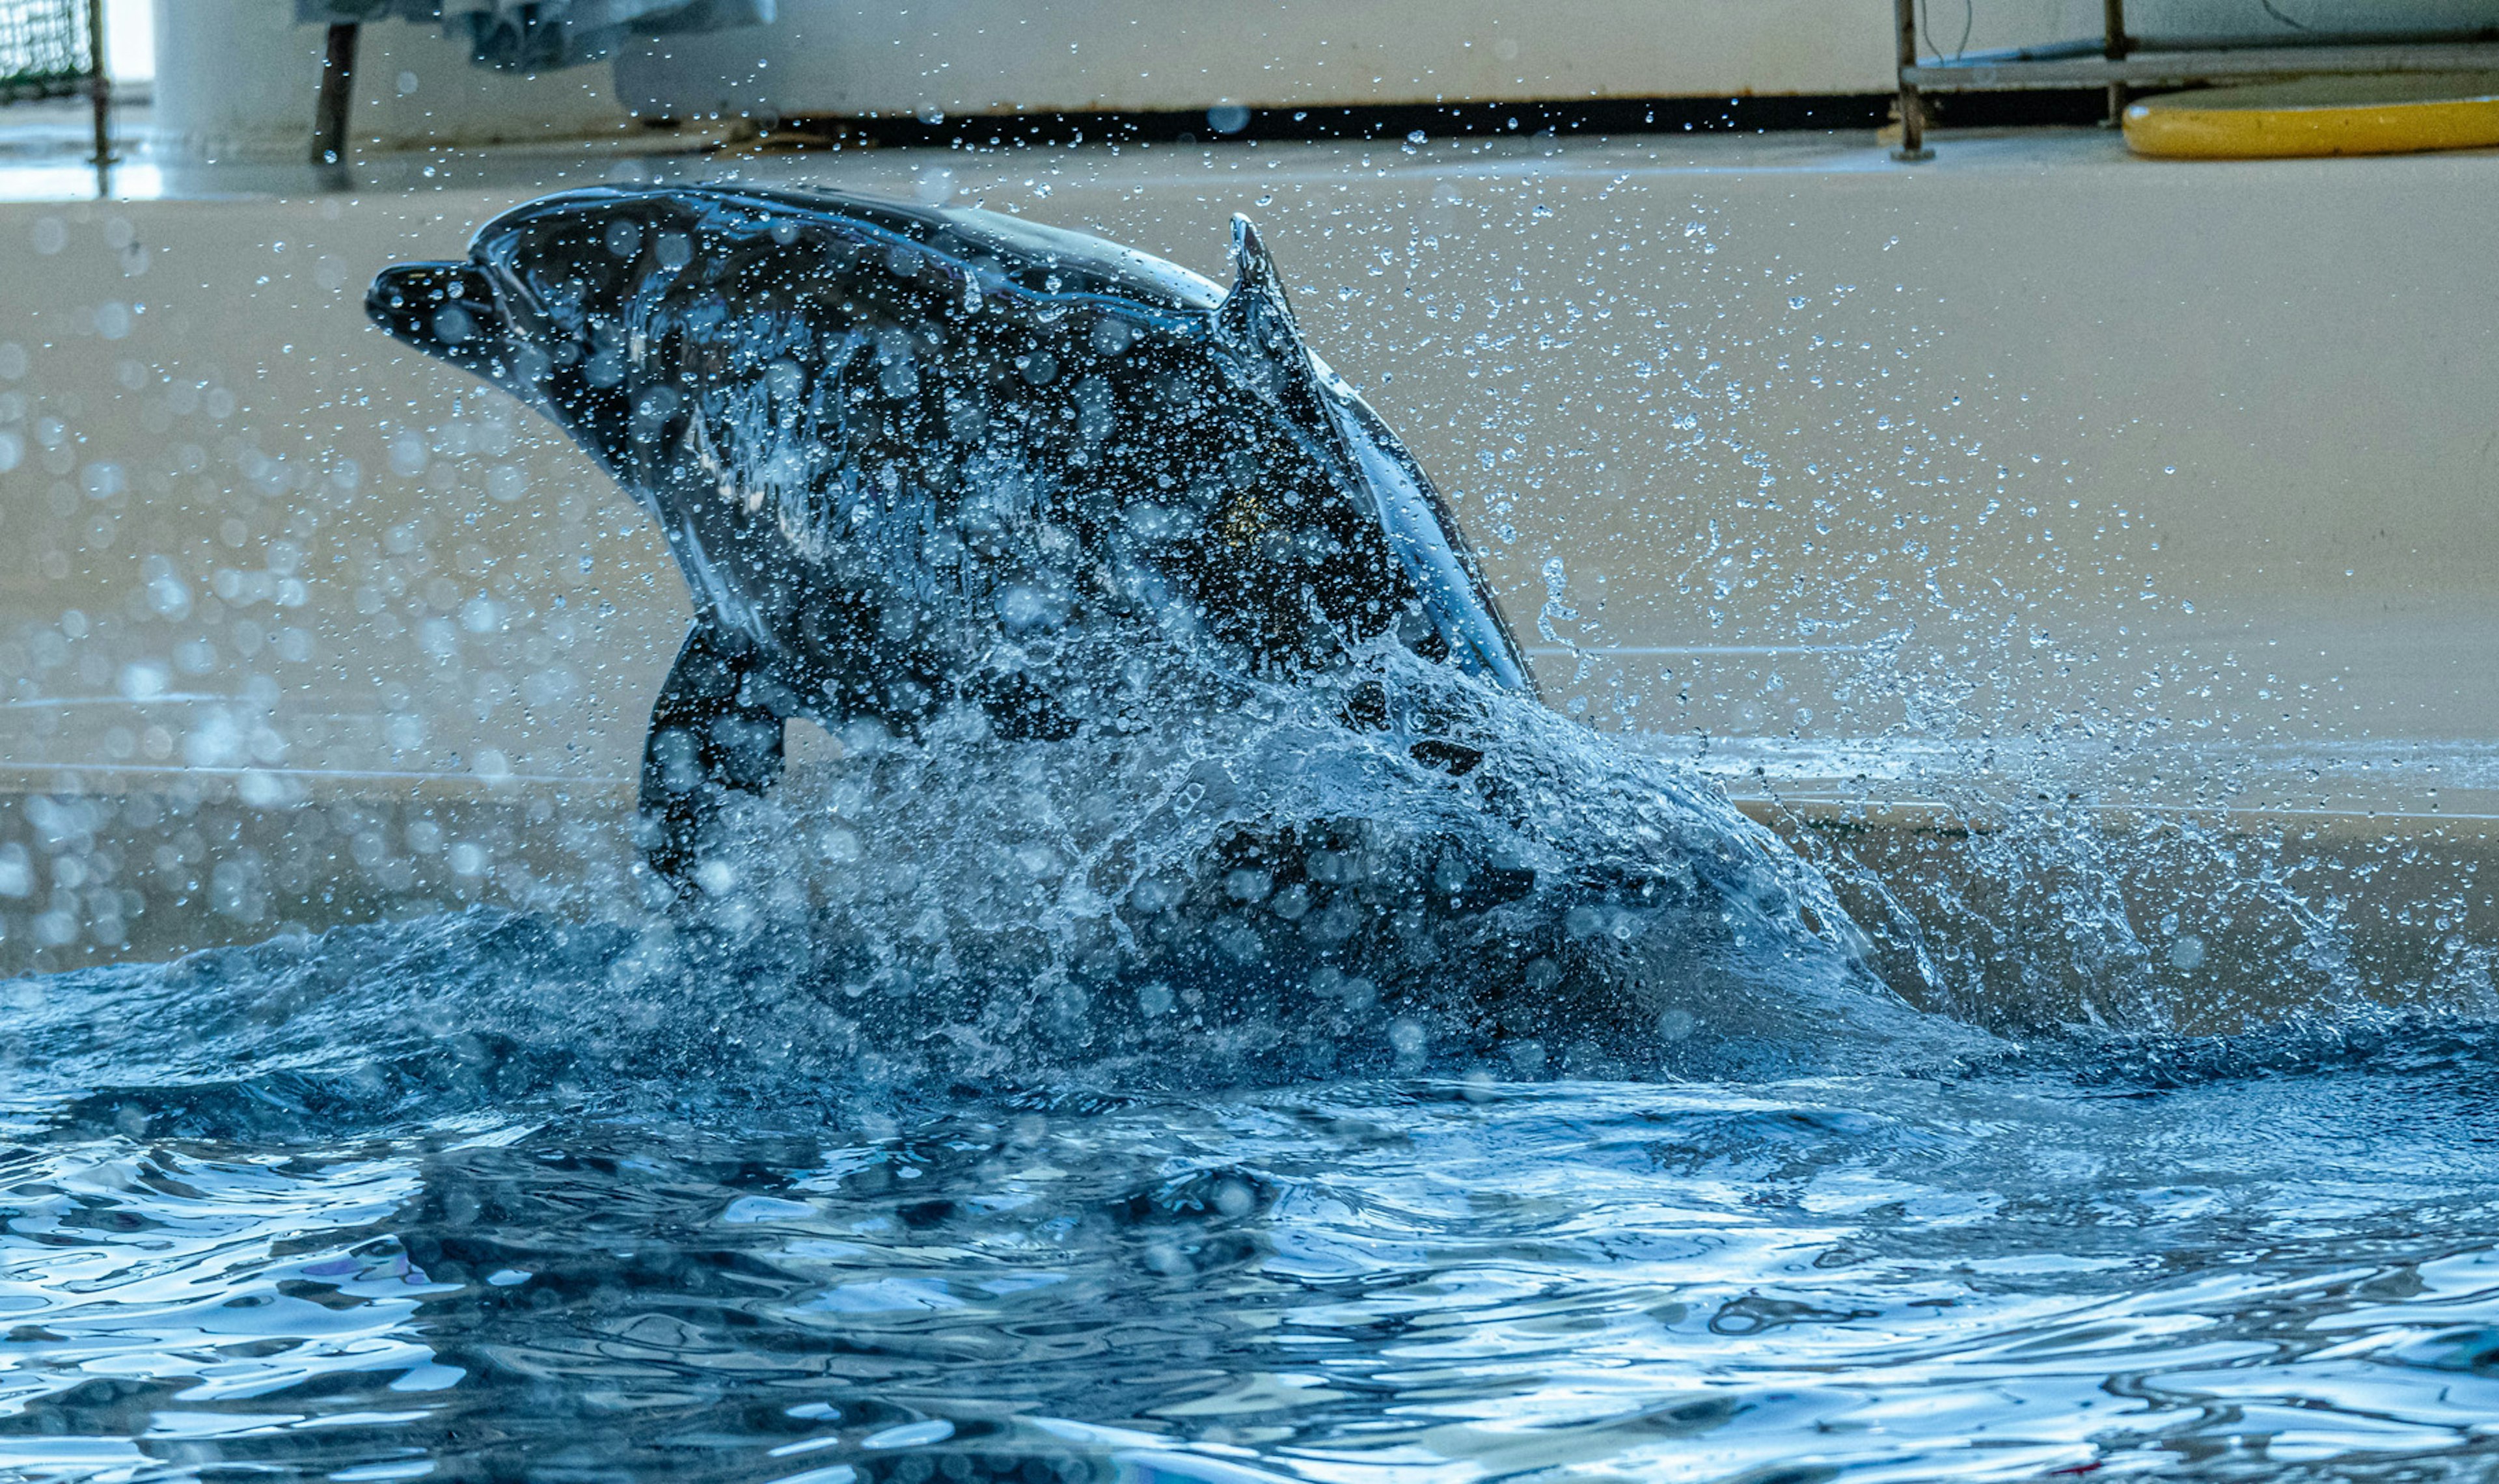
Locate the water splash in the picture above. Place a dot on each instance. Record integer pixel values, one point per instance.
(1245, 892)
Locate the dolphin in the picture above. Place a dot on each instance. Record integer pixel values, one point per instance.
(898, 450)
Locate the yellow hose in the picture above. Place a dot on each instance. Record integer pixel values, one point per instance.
(2396, 114)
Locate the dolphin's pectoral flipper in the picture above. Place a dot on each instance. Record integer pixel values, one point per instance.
(704, 741)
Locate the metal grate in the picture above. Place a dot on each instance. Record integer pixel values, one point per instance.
(44, 51)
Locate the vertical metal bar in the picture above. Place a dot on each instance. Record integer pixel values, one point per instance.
(1913, 112)
(99, 85)
(2119, 44)
(337, 91)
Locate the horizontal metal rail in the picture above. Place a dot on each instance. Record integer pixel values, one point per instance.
(2147, 66)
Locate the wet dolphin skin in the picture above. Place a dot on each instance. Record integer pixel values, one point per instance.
(903, 453)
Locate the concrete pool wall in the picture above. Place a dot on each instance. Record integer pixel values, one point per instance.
(2168, 487)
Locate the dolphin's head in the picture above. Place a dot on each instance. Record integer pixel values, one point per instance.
(544, 307)
(612, 310)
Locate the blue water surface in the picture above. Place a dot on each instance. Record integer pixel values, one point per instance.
(251, 1225)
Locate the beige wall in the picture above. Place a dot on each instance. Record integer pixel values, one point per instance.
(983, 56)
(2231, 391)
(236, 80)
(840, 57)
(2185, 477)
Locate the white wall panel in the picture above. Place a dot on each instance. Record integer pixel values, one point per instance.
(235, 80)
(839, 57)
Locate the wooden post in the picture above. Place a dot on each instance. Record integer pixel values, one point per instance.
(337, 91)
(1913, 112)
(2113, 15)
(99, 88)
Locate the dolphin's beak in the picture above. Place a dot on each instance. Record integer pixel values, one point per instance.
(445, 309)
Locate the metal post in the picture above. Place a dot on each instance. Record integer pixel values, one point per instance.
(337, 91)
(2113, 16)
(1913, 113)
(99, 87)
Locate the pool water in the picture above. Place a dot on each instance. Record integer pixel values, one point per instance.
(1046, 1112)
(377, 1250)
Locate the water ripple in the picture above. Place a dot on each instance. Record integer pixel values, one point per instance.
(2014, 1277)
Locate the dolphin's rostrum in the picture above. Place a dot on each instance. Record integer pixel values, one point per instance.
(893, 446)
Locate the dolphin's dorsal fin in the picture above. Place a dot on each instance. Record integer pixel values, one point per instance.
(1254, 315)
(1258, 322)
(1253, 270)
